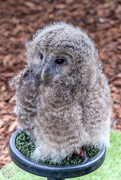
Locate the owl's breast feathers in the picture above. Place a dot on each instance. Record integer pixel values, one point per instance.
(57, 96)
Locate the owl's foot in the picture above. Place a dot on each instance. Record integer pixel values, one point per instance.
(83, 155)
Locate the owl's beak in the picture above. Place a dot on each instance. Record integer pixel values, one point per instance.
(42, 76)
(45, 72)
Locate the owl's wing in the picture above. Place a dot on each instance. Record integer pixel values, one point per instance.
(97, 112)
(17, 79)
(26, 93)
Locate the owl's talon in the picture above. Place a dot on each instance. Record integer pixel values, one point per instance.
(83, 155)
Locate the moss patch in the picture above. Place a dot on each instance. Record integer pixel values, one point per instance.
(26, 146)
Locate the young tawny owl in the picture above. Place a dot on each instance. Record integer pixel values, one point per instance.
(62, 97)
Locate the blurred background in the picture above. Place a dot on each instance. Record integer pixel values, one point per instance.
(19, 20)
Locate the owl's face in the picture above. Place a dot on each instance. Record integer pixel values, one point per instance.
(50, 65)
(61, 52)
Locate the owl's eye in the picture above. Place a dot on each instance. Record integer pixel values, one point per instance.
(60, 61)
(41, 56)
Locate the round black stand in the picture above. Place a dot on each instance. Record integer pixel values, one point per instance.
(53, 172)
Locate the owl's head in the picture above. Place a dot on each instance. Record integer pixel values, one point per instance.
(62, 51)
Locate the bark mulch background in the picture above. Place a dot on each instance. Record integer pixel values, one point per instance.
(20, 19)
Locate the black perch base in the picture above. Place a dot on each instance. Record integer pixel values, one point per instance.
(53, 172)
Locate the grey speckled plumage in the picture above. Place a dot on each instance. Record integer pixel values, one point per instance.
(63, 106)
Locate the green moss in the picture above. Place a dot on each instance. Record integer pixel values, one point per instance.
(91, 151)
(74, 159)
(26, 146)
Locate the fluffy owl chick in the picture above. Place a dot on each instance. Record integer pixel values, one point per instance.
(62, 97)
